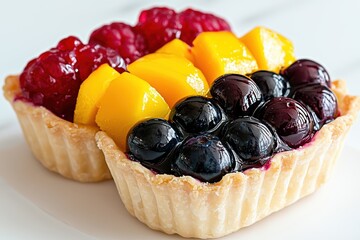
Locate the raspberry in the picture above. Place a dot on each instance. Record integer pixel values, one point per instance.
(90, 57)
(123, 38)
(194, 22)
(50, 81)
(53, 79)
(159, 25)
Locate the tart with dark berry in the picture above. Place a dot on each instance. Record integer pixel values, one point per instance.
(204, 133)
(267, 133)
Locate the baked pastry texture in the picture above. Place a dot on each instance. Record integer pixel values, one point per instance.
(191, 208)
(61, 146)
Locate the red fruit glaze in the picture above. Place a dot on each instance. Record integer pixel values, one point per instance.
(53, 79)
(194, 22)
(123, 38)
(159, 25)
(50, 81)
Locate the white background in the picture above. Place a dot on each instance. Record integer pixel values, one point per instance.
(36, 204)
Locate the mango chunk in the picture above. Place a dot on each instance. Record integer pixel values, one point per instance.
(127, 101)
(271, 50)
(218, 53)
(172, 76)
(90, 93)
(178, 48)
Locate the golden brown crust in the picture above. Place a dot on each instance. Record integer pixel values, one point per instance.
(63, 147)
(176, 204)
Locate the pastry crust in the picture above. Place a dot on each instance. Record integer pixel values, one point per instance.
(61, 146)
(191, 208)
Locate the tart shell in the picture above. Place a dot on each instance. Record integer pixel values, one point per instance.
(190, 208)
(61, 146)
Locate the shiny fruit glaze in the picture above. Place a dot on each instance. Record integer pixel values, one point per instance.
(290, 118)
(53, 79)
(245, 122)
(129, 43)
(237, 95)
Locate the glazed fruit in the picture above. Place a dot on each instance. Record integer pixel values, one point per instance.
(172, 76)
(218, 53)
(90, 93)
(195, 22)
(305, 71)
(238, 95)
(160, 25)
(271, 50)
(152, 140)
(128, 100)
(89, 57)
(203, 157)
(291, 120)
(123, 38)
(178, 48)
(197, 114)
(46, 81)
(271, 84)
(251, 139)
(53, 79)
(321, 100)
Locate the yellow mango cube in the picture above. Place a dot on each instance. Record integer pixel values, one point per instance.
(178, 48)
(172, 76)
(218, 53)
(127, 101)
(271, 50)
(90, 93)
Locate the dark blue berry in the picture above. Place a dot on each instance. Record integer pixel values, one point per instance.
(271, 84)
(250, 139)
(152, 140)
(238, 95)
(203, 157)
(197, 114)
(321, 100)
(305, 71)
(290, 118)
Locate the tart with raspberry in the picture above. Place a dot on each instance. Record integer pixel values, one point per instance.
(44, 95)
(203, 132)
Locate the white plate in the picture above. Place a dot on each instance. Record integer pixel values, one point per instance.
(87, 211)
(38, 204)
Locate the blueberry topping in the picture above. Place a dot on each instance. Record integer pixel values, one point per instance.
(305, 71)
(151, 140)
(197, 114)
(321, 100)
(271, 84)
(203, 157)
(290, 118)
(251, 139)
(238, 95)
(244, 123)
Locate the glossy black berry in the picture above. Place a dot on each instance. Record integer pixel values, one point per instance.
(321, 100)
(290, 118)
(238, 95)
(305, 71)
(203, 157)
(271, 84)
(197, 114)
(151, 140)
(250, 139)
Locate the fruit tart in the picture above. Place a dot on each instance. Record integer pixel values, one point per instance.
(203, 132)
(267, 133)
